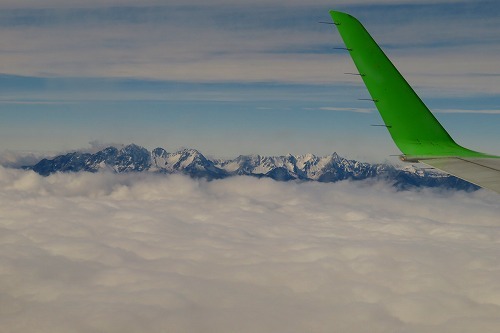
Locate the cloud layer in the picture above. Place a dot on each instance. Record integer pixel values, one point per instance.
(115, 3)
(144, 253)
(241, 41)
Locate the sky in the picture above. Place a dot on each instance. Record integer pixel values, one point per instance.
(152, 253)
(142, 252)
(237, 77)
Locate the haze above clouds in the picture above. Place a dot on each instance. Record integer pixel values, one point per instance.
(144, 253)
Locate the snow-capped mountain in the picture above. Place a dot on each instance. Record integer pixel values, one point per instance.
(129, 158)
(307, 167)
(188, 161)
(330, 168)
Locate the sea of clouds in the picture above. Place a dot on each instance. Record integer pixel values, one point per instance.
(148, 253)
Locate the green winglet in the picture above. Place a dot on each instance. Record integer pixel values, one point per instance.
(414, 129)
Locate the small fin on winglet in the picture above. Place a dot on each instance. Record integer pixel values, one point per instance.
(412, 126)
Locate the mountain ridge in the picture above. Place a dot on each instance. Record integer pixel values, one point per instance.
(307, 167)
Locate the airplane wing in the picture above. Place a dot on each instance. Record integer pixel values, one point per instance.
(412, 126)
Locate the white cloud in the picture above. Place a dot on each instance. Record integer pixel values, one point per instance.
(135, 253)
(15, 159)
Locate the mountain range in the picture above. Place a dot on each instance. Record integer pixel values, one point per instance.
(330, 168)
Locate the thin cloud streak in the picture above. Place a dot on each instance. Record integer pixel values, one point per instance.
(35, 102)
(107, 252)
(357, 110)
(467, 111)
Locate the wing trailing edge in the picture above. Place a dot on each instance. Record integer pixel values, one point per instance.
(484, 172)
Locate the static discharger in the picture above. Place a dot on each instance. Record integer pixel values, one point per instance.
(331, 23)
(358, 74)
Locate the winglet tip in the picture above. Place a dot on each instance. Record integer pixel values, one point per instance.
(337, 16)
(334, 13)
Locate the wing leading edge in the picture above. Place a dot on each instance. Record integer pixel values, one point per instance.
(412, 126)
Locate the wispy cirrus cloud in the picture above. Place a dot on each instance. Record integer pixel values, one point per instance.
(114, 3)
(207, 43)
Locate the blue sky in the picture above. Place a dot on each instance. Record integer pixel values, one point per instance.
(237, 77)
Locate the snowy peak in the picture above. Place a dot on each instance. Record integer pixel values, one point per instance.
(185, 160)
(306, 166)
(330, 168)
(132, 158)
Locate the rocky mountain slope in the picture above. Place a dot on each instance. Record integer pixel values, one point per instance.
(330, 168)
